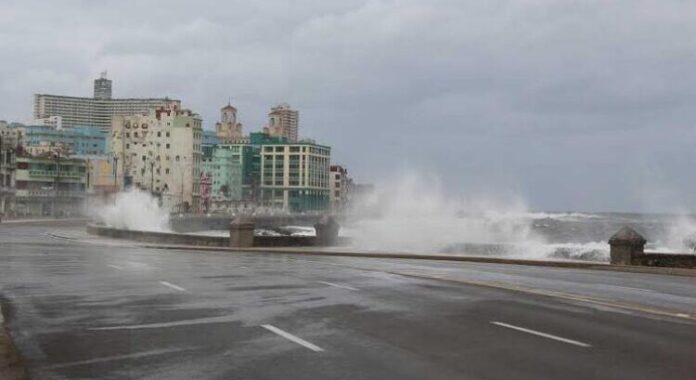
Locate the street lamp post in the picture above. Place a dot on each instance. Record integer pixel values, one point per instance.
(115, 170)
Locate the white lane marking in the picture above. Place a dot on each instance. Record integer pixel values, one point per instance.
(632, 288)
(115, 267)
(293, 338)
(541, 334)
(338, 285)
(683, 315)
(243, 267)
(186, 322)
(116, 357)
(170, 285)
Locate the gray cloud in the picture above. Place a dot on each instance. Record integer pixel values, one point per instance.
(571, 105)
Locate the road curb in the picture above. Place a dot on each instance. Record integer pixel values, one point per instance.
(470, 259)
(11, 364)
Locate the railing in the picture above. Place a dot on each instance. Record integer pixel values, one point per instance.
(51, 193)
(7, 189)
(53, 174)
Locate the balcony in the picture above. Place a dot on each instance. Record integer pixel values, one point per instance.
(6, 190)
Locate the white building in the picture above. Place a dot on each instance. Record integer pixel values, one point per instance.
(160, 152)
(97, 111)
(295, 176)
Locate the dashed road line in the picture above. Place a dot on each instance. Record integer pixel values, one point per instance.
(175, 287)
(115, 267)
(338, 285)
(293, 338)
(107, 359)
(541, 334)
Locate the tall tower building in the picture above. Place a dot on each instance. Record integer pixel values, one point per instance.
(102, 87)
(283, 122)
(227, 129)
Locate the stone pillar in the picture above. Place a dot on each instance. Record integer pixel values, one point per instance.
(241, 233)
(326, 231)
(625, 245)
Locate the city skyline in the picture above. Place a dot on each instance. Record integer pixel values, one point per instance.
(508, 96)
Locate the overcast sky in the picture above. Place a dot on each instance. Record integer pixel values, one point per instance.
(568, 105)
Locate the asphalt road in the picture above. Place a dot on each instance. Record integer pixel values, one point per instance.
(93, 310)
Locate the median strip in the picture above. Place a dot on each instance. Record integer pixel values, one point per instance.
(541, 334)
(293, 338)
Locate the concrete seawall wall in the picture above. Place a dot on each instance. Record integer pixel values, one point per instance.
(158, 237)
(201, 240)
(207, 223)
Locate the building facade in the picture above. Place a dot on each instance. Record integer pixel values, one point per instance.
(295, 176)
(339, 182)
(228, 129)
(283, 121)
(82, 141)
(10, 145)
(49, 186)
(97, 111)
(160, 152)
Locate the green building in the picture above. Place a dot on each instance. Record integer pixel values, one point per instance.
(230, 167)
(269, 171)
(52, 186)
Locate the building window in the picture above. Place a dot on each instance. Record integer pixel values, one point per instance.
(167, 134)
(167, 146)
(159, 134)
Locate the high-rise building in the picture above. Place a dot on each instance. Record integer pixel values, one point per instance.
(228, 129)
(97, 111)
(160, 151)
(102, 87)
(283, 121)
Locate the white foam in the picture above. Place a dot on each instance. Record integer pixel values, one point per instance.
(133, 210)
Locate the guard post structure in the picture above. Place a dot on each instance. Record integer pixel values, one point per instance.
(625, 246)
(326, 231)
(241, 233)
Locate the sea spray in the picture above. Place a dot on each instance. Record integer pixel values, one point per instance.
(414, 214)
(133, 210)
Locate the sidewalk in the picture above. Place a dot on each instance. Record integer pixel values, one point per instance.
(43, 220)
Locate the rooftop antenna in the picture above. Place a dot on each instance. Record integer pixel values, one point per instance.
(103, 74)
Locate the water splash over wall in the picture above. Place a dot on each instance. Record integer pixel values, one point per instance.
(133, 210)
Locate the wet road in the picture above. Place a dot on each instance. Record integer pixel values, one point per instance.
(95, 311)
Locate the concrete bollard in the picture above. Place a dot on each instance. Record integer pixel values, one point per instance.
(241, 233)
(326, 231)
(625, 245)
